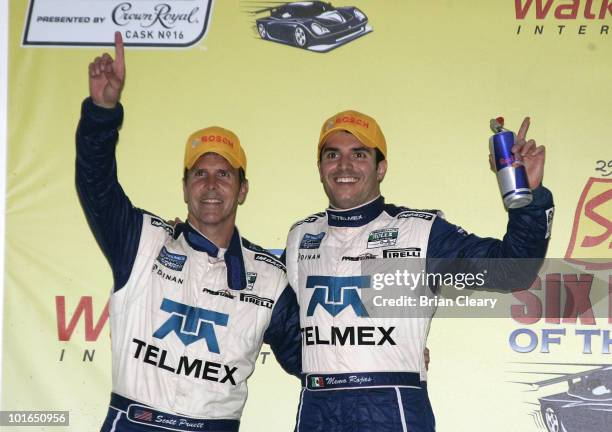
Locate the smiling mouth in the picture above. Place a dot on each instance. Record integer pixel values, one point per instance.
(346, 180)
(210, 201)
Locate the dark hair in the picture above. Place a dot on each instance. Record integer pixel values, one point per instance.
(379, 156)
(241, 175)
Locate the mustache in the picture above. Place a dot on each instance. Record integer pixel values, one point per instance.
(345, 174)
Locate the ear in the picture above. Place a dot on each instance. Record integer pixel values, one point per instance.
(244, 190)
(320, 173)
(381, 170)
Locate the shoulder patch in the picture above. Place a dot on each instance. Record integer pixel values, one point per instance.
(268, 259)
(416, 214)
(309, 219)
(405, 212)
(159, 223)
(262, 254)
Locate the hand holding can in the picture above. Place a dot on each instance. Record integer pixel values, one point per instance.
(507, 152)
(532, 155)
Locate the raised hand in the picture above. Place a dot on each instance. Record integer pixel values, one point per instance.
(532, 155)
(107, 76)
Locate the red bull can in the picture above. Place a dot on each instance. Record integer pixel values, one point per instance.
(511, 174)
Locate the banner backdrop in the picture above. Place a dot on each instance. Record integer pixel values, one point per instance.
(431, 73)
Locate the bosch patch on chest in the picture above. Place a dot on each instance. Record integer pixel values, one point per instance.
(311, 241)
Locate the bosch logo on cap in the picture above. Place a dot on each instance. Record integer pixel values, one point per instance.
(217, 138)
(354, 120)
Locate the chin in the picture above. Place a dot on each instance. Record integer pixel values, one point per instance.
(345, 203)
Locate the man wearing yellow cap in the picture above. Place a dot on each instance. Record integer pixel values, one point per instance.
(191, 304)
(364, 369)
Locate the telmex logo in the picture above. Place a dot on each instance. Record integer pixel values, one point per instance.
(563, 11)
(334, 294)
(592, 230)
(191, 324)
(217, 138)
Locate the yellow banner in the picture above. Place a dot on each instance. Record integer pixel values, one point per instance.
(431, 73)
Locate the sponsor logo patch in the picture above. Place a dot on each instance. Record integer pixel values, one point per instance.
(221, 293)
(251, 278)
(311, 241)
(334, 294)
(411, 252)
(258, 301)
(171, 260)
(341, 218)
(314, 256)
(362, 257)
(382, 237)
(413, 214)
(190, 324)
(268, 260)
(309, 219)
(158, 223)
(159, 271)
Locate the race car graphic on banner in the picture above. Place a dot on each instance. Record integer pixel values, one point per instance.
(582, 403)
(317, 26)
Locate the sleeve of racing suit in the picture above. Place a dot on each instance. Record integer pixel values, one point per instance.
(527, 235)
(115, 223)
(283, 333)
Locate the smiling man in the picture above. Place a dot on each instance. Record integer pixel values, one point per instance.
(363, 373)
(191, 304)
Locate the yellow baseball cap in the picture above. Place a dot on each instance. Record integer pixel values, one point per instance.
(217, 140)
(362, 126)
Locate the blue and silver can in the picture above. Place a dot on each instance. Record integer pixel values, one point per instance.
(511, 175)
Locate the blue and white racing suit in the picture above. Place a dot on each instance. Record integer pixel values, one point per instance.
(187, 319)
(367, 374)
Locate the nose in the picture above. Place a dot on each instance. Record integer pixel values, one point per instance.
(211, 183)
(345, 161)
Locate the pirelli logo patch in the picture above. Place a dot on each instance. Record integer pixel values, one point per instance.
(412, 252)
(256, 300)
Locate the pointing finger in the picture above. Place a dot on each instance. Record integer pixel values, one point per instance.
(522, 133)
(119, 52)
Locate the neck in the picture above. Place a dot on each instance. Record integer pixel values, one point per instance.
(219, 235)
(366, 202)
(356, 216)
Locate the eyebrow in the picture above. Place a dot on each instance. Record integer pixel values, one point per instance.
(354, 149)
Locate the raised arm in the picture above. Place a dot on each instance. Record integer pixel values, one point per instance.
(115, 223)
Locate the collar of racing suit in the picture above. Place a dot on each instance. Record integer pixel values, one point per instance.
(236, 274)
(356, 216)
